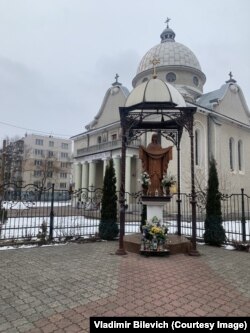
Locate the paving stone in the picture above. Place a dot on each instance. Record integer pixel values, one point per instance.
(66, 285)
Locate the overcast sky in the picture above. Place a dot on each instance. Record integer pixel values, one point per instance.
(59, 57)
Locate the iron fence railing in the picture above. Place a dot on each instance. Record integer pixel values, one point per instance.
(32, 211)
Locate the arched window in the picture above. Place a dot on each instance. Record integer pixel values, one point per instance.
(197, 135)
(240, 155)
(171, 77)
(231, 153)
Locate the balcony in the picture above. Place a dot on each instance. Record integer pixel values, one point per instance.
(115, 144)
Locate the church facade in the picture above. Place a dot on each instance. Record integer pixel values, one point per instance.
(221, 126)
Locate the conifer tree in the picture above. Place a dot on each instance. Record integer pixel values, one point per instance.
(214, 231)
(108, 227)
(143, 216)
(3, 215)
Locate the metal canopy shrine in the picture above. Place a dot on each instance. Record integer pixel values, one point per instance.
(169, 120)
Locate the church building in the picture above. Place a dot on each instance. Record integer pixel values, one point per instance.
(221, 125)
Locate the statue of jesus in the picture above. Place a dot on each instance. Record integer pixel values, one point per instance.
(155, 161)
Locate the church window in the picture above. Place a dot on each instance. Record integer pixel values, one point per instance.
(231, 153)
(171, 77)
(240, 155)
(197, 147)
(114, 137)
(196, 80)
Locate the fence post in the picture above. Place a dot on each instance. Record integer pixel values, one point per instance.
(51, 223)
(243, 217)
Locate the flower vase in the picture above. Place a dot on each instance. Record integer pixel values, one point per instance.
(145, 189)
(167, 190)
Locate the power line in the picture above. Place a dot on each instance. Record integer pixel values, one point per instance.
(33, 130)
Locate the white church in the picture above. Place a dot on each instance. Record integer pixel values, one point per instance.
(221, 124)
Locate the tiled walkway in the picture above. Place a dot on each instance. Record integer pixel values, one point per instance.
(57, 289)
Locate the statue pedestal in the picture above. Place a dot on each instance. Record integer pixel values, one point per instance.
(155, 206)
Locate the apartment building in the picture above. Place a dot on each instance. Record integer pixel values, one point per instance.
(40, 160)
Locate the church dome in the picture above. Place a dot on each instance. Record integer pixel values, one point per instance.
(155, 90)
(177, 64)
(169, 54)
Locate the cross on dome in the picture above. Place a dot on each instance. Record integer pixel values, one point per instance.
(167, 20)
(231, 78)
(154, 62)
(168, 34)
(116, 83)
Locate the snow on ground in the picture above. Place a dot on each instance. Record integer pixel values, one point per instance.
(32, 204)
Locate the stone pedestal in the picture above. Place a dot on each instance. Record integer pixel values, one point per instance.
(155, 206)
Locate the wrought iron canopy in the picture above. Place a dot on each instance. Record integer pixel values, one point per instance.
(151, 116)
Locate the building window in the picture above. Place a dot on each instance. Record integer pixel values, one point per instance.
(197, 135)
(65, 145)
(231, 153)
(50, 153)
(37, 183)
(39, 152)
(63, 175)
(64, 165)
(171, 77)
(39, 142)
(64, 155)
(50, 164)
(51, 143)
(37, 173)
(50, 174)
(38, 162)
(240, 155)
(99, 139)
(63, 185)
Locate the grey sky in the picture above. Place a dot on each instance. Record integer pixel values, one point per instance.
(58, 57)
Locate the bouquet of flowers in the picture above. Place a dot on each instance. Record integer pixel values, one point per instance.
(145, 179)
(168, 180)
(153, 230)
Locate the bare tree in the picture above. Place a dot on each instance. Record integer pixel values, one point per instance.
(44, 169)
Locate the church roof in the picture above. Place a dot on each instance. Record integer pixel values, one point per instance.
(112, 91)
(155, 90)
(208, 99)
(213, 98)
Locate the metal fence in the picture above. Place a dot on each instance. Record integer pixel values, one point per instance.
(235, 215)
(33, 212)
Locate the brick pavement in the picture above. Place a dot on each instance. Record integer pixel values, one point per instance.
(57, 289)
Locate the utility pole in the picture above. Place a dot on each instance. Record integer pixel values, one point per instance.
(2, 170)
(3, 162)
